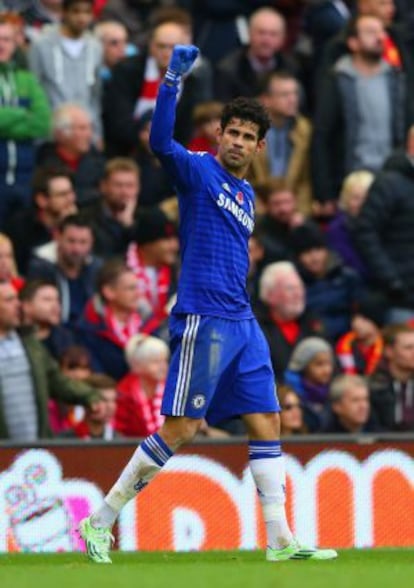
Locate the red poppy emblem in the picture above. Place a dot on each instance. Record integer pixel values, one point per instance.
(239, 198)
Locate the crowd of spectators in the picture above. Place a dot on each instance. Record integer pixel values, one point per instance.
(89, 249)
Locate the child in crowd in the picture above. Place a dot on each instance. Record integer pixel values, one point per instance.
(75, 363)
(97, 420)
(140, 392)
(206, 121)
(310, 373)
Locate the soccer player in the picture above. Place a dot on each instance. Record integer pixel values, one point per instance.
(220, 363)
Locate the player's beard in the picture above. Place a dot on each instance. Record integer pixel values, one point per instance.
(234, 164)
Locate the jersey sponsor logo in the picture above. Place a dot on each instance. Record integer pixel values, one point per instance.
(241, 215)
(198, 401)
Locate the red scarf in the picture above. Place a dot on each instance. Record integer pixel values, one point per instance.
(138, 415)
(156, 298)
(345, 354)
(149, 89)
(121, 333)
(391, 54)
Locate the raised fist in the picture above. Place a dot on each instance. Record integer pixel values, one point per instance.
(182, 59)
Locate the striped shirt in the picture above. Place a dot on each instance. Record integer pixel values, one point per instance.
(17, 391)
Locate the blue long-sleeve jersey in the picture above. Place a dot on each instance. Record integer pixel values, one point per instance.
(216, 220)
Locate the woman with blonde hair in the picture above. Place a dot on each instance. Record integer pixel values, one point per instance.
(340, 231)
(140, 392)
(8, 269)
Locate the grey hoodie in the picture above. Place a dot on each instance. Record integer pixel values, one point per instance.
(68, 79)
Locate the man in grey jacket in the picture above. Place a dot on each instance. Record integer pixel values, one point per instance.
(67, 59)
(361, 113)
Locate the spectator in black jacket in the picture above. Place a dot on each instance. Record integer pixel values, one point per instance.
(360, 112)
(281, 217)
(392, 385)
(133, 88)
(72, 147)
(68, 262)
(323, 20)
(281, 313)
(331, 288)
(156, 185)
(53, 198)
(350, 408)
(385, 232)
(242, 73)
(113, 216)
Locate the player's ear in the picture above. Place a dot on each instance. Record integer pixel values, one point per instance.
(219, 134)
(260, 145)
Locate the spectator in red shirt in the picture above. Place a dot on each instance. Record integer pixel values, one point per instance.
(206, 121)
(97, 421)
(281, 312)
(140, 391)
(75, 363)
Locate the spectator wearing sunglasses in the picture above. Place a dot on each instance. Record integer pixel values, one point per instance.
(291, 417)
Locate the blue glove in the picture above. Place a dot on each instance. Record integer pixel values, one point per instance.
(182, 59)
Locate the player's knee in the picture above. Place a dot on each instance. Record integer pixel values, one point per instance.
(271, 424)
(178, 431)
(263, 426)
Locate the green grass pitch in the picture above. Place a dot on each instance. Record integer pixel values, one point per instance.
(391, 568)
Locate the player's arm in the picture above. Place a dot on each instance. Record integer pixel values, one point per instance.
(174, 157)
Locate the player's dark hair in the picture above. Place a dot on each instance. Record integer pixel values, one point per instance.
(246, 109)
